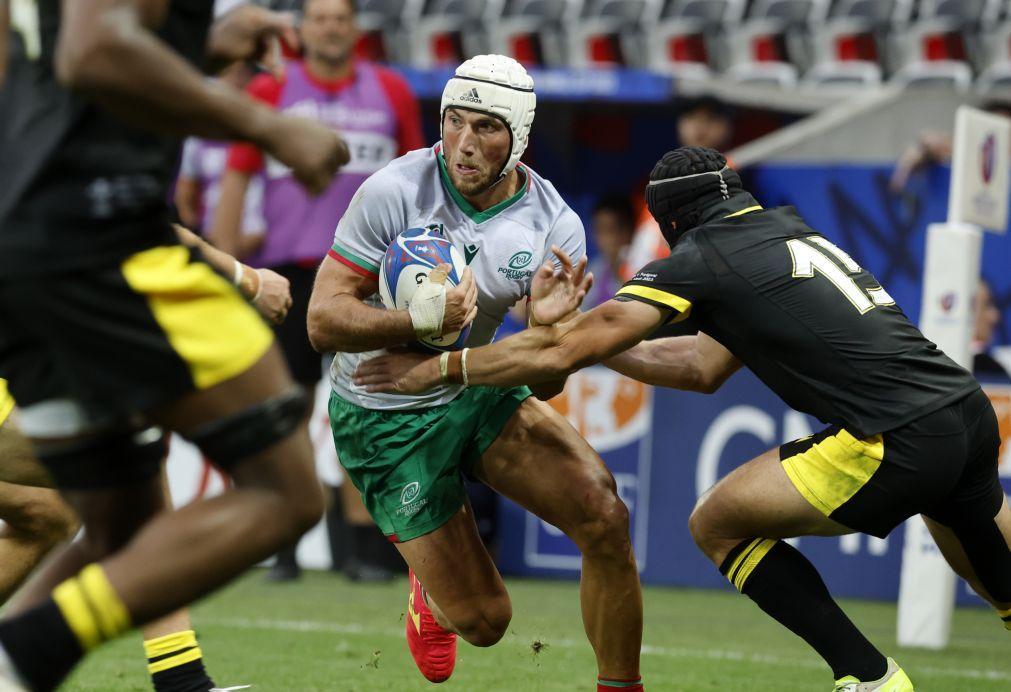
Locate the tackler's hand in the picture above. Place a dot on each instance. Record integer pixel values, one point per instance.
(555, 294)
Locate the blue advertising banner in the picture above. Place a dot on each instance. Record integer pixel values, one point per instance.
(665, 449)
(677, 444)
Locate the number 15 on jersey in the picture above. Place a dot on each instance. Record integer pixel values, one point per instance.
(808, 259)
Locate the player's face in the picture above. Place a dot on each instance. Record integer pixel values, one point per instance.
(476, 146)
(329, 30)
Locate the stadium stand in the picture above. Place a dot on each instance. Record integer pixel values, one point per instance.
(808, 45)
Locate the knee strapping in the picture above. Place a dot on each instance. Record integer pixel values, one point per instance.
(230, 440)
(122, 457)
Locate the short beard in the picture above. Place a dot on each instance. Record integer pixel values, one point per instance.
(470, 186)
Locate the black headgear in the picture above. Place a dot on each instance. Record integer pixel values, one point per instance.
(683, 183)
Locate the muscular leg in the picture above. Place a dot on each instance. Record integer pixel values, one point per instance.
(541, 463)
(19, 465)
(36, 520)
(465, 590)
(736, 523)
(756, 499)
(110, 527)
(202, 546)
(992, 563)
(182, 555)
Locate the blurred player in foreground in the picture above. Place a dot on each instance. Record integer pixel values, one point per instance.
(407, 454)
(37, 520)
(113, 327)
(910, 432)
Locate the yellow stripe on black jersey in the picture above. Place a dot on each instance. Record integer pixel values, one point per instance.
(658, 298)
(6, 401)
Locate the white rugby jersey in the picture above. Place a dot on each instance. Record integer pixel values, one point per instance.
(503, 246)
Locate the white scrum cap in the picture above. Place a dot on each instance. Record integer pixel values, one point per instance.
(499, 86)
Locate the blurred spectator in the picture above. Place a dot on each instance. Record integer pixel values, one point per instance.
(986, 317)
(613, 226)
(378, 116)
(198, 186)
(933, 147)
(703, 122)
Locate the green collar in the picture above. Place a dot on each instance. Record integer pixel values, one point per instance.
(467, 208)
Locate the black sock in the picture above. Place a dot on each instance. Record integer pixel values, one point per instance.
(337, 529)
(786, 585)
(362, 536)
(41, 646)
(286, 555)
(176, 663)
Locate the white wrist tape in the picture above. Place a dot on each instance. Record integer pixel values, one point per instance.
(428, 308)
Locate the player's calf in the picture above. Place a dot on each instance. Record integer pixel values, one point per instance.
(486, 622)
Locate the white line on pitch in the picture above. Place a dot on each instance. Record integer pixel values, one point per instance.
(647, 649)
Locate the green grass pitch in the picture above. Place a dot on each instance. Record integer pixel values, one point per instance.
(323, 633)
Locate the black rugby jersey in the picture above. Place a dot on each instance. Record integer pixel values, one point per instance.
(814, 326)
(78, 187)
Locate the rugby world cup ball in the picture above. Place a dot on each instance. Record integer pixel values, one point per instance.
(409, 258)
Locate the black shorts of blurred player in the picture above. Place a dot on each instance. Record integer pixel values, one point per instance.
(96, 359)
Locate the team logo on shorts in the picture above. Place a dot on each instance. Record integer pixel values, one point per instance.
(410, 493)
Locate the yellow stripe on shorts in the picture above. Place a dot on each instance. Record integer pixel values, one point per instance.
(217, 333)
(830, 472)
(6, 402)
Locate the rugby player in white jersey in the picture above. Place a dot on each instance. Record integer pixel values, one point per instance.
(407, 455)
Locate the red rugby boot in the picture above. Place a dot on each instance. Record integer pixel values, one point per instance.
(433, 648)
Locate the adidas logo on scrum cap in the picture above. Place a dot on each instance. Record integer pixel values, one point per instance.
(471, 96)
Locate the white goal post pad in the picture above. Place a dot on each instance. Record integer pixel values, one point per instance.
(979, 169)
(950, 278)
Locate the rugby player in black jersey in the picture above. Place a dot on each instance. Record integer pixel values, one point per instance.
(909, 431)
(113, 328)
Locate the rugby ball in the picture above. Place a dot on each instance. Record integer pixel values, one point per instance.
(409, 258)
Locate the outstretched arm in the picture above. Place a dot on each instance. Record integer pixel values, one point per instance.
(268, 291)
(108, 51)
(694, 363)
(539, 354)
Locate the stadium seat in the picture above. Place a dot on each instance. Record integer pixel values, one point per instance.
(683, 38)
(849, 75)
(995, 80)
(995, 11)
(953, 74)
(608, 34)
(968, 11)
(940, 39)
(710, 12)
(382, 37)
(442, 32)
(531, 31)
(790, 11)
(895, 12)
(846, 39)
(773, 74)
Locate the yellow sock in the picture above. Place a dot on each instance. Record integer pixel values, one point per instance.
(171, 651)
(1005, 615)
(91, 607)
